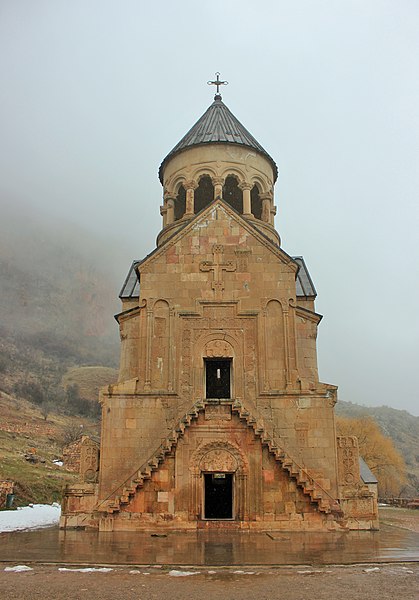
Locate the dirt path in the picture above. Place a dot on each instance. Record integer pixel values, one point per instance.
(384, 582)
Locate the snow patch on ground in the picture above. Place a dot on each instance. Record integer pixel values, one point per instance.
(19, 568)
(87, 570)
(244, 572)
(30, 517)
(136, 572)
(175, 573)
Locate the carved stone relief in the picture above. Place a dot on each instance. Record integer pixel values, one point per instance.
(218, 456)
(348, 459)
(218, 461)
(218, 348)
(89, 460)
(217, 412)
(242, 259)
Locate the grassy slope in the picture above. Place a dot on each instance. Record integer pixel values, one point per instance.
(89, 380)
(22, 430)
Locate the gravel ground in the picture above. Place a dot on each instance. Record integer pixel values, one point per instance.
(400, 517)
(384, 582)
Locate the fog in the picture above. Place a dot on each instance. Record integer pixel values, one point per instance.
(95, 94)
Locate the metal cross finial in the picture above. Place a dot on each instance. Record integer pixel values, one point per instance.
(217, 82)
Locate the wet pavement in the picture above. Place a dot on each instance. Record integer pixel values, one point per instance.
(210, 548)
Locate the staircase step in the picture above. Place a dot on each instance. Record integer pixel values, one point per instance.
(266, 439)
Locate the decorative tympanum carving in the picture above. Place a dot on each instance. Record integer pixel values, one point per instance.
(218, 349)
(218, 461)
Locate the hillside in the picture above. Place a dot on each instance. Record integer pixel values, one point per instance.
(25, 432)
(400, 426)
(58, 295)
(89, 380)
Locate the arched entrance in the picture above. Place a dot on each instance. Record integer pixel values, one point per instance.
(218, 495)
(219, 482)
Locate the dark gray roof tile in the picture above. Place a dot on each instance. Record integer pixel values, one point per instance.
(131, 287)
(367, 475)
(217, 125)
(305, 286)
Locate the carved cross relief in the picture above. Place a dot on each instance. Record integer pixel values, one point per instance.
(217, 267)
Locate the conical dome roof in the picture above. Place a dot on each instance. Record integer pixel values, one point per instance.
(217, 125)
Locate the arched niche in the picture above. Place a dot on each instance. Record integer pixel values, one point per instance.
(232, 194)
(256, 202)
(180, 203)
(274, 345)
(160, 345)
(204, 193)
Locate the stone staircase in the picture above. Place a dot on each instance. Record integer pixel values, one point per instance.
(311, 488)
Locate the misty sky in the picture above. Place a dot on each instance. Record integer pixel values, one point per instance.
(95, 93)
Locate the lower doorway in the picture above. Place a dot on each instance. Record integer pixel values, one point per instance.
(218, 495)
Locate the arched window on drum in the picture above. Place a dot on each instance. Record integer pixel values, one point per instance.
(204, 193)
(180, 203)
(232, 194)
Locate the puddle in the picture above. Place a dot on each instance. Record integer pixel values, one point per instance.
(210, 548)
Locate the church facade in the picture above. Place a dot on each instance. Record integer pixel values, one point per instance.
(218, 419)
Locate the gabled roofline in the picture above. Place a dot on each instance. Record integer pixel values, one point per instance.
(275, 249)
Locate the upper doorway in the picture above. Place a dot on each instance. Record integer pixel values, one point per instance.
(218, 378)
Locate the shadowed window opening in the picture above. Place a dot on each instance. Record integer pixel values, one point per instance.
(218, 495)
(217, 378)
(180, 203)
(204, 193)
(232, 194)
(255, 202)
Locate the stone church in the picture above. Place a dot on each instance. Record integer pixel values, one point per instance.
(218, 419)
